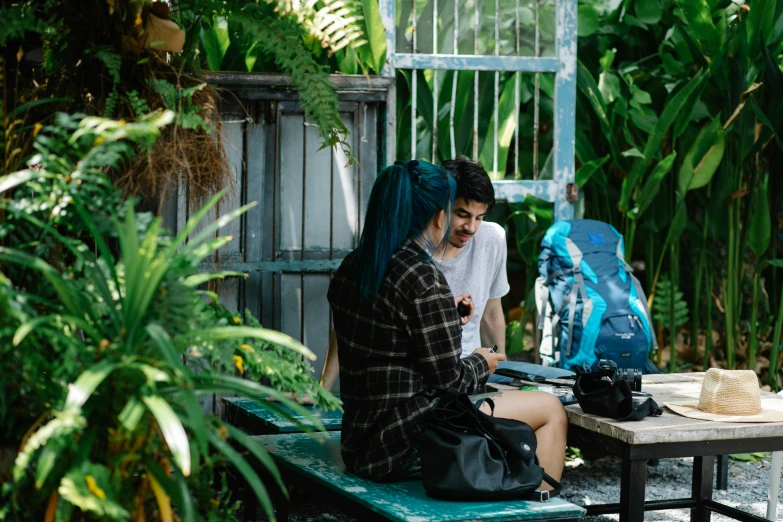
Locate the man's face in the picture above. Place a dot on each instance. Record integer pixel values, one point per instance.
(466, 217)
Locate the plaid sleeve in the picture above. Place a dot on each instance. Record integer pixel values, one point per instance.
(434, 328)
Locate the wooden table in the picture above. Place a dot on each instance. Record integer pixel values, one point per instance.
(671, 436)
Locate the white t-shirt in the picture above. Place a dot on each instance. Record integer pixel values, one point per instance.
(480, 270)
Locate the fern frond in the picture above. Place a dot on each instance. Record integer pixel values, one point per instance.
(669, 303)
(138, 105)
(281, 39)
(110, 106)
(16, 20)
(65, 425)
(167, 91)
(112, 60)
(334, 23)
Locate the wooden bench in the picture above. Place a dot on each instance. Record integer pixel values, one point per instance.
(257, 420)
(316, 466)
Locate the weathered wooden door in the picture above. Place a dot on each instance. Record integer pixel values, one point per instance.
(310, 202)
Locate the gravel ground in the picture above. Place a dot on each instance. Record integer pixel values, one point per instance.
(598, 482)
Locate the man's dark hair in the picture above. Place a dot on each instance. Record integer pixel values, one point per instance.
(473, 183)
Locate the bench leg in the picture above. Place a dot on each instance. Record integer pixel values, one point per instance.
(250, 505)
(279, 500)
(703, 474)
(722, 482)
(280, 503)
(633, 483)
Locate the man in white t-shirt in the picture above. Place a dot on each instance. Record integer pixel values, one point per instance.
(474, 263)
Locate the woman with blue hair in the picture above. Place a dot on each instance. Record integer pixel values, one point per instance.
(399, 333)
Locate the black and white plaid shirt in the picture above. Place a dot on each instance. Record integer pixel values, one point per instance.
(398, 352)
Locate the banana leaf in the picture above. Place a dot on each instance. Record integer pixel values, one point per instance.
(373, 52)
(587, 86)
(703, 158)
(760, 231)
(676, 105)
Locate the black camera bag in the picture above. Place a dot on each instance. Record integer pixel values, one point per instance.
(599, 393)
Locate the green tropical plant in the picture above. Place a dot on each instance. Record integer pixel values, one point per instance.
(531, 219)
(515, 338)
(125, 433)
(695, 79)
(346, 36)
(303, 40)
(115, 71)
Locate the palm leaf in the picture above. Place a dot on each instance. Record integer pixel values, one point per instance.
(193, 222)
(219, 223)
(200, 279)
(222, 333)
(23, 176)
(65, 290)
(90, 263)
(172, 430)
(162, 340)
(675, 106)
(84, 386)
(176, 488)
(257, 451)
(256, 392)
(28, 326)
(246, 471)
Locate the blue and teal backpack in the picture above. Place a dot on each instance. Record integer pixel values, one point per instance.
(598, 308)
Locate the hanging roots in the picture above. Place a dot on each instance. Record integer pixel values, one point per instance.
(187, 158)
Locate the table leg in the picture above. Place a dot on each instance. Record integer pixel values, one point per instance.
(774, 484)
(703, 473)
(632, 486)
(722, 482)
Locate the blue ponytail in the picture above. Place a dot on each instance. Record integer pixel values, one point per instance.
(404, 199)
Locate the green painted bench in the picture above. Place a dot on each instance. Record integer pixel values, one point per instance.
(257, 420)
(316, 466)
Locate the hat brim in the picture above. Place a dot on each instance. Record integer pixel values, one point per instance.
(691, 409)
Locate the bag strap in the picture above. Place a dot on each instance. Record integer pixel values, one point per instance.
(648, 408)
(491, 406)
(543, 495)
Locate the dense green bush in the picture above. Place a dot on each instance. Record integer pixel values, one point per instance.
(108, 342)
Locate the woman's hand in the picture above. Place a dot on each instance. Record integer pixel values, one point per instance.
(492, 358)
(466, 301)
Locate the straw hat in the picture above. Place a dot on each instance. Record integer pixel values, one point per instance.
(730, 396)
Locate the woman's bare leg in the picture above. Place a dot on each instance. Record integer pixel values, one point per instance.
(545, 414)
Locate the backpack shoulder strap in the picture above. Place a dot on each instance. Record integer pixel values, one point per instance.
(577, 288)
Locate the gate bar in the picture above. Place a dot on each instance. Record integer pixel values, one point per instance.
(468, 62)
(565, 106)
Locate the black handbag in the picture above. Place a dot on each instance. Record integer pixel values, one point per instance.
(599, 393)
(469, 455)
